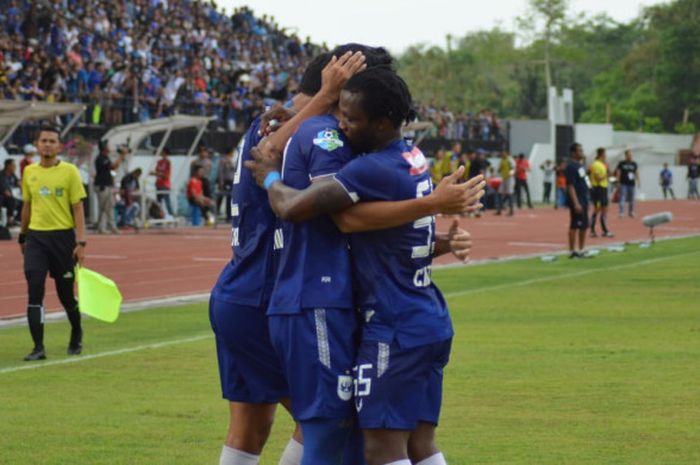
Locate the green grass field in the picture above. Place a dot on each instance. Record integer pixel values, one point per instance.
(572, 362)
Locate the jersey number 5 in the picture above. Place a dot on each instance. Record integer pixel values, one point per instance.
(423, 251)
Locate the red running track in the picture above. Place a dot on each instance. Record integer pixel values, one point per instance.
(169, 263)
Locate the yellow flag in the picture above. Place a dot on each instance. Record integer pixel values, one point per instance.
(98, 296)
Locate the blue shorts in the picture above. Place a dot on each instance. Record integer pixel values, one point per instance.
(397, 388)
(249, 368)
(317, 348)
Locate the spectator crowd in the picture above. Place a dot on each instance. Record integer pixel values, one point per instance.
(483, 126)
(132, 60)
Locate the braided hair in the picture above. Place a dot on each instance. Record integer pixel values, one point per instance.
(384, 94)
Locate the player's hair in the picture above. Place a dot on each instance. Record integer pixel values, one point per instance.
(384, 94)
(572, 147)
(311, 80)
(600, 151)
(8, 162)
(48, 127)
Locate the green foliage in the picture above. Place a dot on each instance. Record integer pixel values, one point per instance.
(685, 128)
(646, 70)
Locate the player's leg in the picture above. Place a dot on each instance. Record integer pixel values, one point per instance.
(251, 378)
(317, 348)
(421, 445)
(249, 426)
(391, 385)
(36, 267)
(386, 446)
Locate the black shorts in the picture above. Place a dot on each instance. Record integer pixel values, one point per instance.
(579, 221)
(50, 251)
(599, 196)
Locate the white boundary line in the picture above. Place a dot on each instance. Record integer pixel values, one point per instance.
(527, 282)
(204, 296)
(83, 358)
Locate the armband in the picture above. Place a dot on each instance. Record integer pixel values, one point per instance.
(272, 177)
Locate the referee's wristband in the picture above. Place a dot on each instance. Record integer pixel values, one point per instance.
(22, 238)
(272, 177)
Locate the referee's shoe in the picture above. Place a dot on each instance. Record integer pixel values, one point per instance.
(37, 354)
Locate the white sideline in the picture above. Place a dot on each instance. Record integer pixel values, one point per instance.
(527, 282)
(83, 358)
(449, 294)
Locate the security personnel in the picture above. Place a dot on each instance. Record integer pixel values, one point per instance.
(52, 237)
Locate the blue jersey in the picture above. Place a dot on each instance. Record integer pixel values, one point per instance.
(314, 264)
(392, 268)
(248, 278)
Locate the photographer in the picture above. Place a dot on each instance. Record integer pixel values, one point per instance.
(104, 182)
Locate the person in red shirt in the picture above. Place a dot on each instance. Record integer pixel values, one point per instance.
(522, 166)
(29, 152)
(195, 196)
(560, 197)
(162, 174)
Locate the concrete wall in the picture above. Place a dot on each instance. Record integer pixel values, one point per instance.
(524, 134)
(592, 136)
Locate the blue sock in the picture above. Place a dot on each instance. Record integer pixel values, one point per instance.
(324, 441)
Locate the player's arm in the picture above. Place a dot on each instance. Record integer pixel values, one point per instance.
(79, 218)
(456, 241)
(333, 78)
(447, 198)
(322, 197)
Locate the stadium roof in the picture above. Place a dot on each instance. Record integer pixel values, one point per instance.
(132, 134)
(15, 112)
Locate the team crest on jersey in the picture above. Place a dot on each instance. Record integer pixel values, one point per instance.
(328, 139)
(44, 191)
(418, 162)
(345, 387)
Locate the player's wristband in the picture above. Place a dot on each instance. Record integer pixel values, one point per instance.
(272, 177)
(22, 238)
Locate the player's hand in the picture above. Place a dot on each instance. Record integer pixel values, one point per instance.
(578, 208)
(338, 71)
(460, 241)
(21, 248)
(273, 118)
(79, 254)
(266, 158)
(452, 198)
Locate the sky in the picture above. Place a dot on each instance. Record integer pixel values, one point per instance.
(412, 21)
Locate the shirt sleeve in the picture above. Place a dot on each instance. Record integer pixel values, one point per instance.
(26, 192)
(294, 172)
(77, 191)
(366, 179)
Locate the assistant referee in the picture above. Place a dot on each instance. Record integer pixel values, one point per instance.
(52, 238)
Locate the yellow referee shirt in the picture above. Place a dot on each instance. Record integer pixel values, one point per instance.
(599, 171)
(51, 192)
